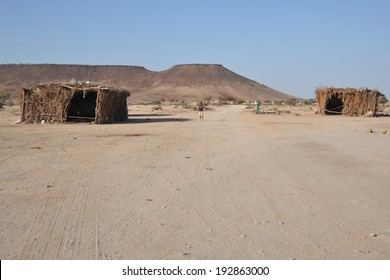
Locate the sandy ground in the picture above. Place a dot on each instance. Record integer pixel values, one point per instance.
(168, 186)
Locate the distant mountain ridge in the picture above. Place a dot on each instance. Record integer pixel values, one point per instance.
(180, 82)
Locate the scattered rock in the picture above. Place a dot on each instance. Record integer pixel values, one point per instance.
(48, 186)
(373, 235)
(42, 121)
(149, 199)
(16, 122)
(369, 130)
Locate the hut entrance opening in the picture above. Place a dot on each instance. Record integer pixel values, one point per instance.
(82, 106)
(334, 106)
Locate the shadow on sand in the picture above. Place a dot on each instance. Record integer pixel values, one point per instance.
(153, 118)
(382, 115)
(147, 115)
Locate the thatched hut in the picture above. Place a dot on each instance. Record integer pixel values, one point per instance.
(81, 101)
(347, 101)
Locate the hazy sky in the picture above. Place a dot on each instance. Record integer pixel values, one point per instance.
(291, 46)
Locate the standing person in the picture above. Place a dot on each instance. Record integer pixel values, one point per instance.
(200, 109)
(257, 106)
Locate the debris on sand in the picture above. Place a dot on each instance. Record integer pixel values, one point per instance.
(16, 122)
(35, 148)
(382, 131)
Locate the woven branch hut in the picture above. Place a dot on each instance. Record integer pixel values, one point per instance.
(347, 101)
(81, 101)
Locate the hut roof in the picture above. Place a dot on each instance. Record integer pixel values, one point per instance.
(80, 85)
(346, 90)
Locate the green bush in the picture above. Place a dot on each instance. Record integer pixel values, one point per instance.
(383, 100)
(4, 96)
(309, 101)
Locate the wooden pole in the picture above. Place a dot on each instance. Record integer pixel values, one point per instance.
(22, 118)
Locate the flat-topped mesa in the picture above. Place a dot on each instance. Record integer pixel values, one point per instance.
(197, 65)
(180, 82)
(200, 74)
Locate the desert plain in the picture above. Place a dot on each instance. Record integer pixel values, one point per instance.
(165, 185)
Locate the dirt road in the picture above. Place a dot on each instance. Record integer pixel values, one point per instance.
(234, 186)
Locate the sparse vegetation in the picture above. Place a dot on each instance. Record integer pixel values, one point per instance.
(4, 96)
(156, 108)
(291, 102)
(226, 99)
(309, 101)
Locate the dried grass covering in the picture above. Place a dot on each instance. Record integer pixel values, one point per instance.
(52, 103)
(347, 101)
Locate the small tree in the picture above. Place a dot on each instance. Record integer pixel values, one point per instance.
(5, 96)
(383, 100)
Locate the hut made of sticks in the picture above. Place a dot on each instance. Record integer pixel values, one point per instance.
(347, 101)
(81, 101)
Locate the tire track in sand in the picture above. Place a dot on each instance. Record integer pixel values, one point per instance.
(65, 226)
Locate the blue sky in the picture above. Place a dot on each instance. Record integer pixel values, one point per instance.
(291, 46)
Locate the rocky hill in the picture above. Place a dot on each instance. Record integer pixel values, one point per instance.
(181, 82)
